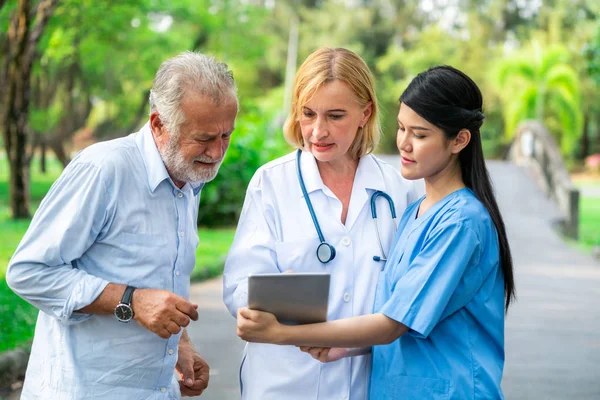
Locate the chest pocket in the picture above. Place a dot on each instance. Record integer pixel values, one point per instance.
(299, 256)
(140, 250)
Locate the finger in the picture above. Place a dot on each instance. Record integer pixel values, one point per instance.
(289, 271)
(163, 333)
(181, 319)
(187, 392)
(172, 327)
(315, 352)
(305, 349)
(246, 313)
(323, 355)
(187, 308)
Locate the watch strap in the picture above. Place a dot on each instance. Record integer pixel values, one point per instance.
(127, 295)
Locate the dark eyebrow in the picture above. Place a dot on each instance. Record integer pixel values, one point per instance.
(415, 127)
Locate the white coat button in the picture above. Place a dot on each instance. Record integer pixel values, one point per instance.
(179, 194)
(171, 351)
(346, 241)
(180, 233)
(177, 273)
(346, 297)
(163, 389)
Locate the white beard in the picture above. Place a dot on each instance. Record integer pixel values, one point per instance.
(181, 170)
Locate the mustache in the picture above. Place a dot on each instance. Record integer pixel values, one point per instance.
(207, 159)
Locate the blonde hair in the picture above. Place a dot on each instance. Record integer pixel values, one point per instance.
(326, 65)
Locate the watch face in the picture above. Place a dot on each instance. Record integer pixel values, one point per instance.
(123, 313)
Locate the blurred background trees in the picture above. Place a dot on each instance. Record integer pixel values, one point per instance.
(75, 72)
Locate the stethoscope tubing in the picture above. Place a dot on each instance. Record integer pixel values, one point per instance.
(373, 204)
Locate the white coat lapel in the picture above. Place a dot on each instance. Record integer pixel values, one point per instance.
(368, 179)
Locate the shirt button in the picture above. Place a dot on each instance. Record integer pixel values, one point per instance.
(171, 351)
(179, 194)
(346, 297)
(346, 241)
(180, 233)
(163, 389)
(177, 273)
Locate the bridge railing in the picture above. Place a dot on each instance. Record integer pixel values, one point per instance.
(535, 148)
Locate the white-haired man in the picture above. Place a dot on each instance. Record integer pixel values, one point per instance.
(108, 255)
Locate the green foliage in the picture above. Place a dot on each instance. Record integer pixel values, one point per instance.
(18, 319)
(538, 83)
(211, 252)
(252, 145)
(592, 54)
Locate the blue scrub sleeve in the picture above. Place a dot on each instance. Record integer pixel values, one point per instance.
(441, 279)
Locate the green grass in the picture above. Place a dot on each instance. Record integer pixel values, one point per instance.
(17, 317)
(589, 221)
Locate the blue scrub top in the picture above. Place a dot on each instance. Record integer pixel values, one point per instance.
(444, 282)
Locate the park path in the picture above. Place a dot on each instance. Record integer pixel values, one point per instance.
(552, 331)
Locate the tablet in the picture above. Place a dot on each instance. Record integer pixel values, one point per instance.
(299, 298)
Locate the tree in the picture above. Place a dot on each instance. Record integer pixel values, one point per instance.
(538, 83)
(19, 47)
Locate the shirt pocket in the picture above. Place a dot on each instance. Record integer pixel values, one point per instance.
(141, 249)
(299, 255)
(416, 388)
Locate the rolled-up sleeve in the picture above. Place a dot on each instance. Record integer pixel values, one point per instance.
(43, 269)
(253, 248)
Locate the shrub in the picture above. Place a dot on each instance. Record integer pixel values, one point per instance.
(253, 144)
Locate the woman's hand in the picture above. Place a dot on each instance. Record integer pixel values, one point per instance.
(325, 354)
(258, 326)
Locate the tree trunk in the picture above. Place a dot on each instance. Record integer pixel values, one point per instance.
(585, 137)
(15, 117)
(43, 149)
(20, 50)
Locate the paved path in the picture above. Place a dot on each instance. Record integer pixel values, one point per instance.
(552, 332)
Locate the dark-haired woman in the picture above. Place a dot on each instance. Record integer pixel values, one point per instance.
(438, 325)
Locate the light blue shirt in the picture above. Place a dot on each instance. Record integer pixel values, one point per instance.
(114, 215)
(444, 282)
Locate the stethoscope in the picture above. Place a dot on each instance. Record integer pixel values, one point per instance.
(325, 251)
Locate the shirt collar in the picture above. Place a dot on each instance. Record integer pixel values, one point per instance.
(155, 167)
(368, 174)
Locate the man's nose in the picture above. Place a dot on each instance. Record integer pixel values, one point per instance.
(215, 149)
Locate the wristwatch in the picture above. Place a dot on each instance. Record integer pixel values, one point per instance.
(123, 310)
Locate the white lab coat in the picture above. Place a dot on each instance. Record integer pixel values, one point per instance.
(276, 233)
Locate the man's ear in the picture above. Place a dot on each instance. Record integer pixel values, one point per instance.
(156, 124)
(461, 141)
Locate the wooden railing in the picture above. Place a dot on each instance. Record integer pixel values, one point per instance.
(535, 148)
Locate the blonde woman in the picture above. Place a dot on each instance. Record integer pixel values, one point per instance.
(334, 123)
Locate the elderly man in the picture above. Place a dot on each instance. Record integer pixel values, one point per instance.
(108, 255)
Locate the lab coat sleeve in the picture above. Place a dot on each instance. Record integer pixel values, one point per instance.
(441, 279)
(66, 224)
(253, 248)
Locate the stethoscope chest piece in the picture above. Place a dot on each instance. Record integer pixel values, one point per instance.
(325, 252)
